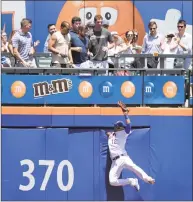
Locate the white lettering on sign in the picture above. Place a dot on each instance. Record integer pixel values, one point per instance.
(50, 165)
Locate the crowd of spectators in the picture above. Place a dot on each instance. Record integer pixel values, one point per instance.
(92, 45)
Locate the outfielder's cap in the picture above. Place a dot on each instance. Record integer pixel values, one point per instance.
(119, 124)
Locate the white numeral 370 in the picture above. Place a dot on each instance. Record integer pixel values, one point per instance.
(50, 164)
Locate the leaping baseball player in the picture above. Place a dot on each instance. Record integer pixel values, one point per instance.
(120, 158)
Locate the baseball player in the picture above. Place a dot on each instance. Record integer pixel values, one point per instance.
(119, 156)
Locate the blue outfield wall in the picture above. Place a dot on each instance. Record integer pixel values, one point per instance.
(163, 149)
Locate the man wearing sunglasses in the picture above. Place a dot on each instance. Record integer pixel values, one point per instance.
(183, 42)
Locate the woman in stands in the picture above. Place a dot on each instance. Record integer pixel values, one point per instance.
(10, 46)
(5, 61)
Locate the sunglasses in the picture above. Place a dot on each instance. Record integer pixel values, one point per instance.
(180, 26)
(152, 28)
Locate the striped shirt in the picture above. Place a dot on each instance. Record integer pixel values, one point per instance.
(23, 42)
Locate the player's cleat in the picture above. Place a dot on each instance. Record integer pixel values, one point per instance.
(134, 183)
(151, 180)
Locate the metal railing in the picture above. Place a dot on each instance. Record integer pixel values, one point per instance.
(120, 60)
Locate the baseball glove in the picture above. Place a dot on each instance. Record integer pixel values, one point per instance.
(123, 107)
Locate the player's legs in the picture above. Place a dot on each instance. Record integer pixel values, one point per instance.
(115, 172)
(129, 164)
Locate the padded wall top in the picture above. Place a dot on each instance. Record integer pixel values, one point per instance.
(82, 116)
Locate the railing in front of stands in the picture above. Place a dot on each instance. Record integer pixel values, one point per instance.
(146, 86)
(119, 60)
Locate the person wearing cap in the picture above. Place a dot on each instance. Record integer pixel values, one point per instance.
(105, 24)
(5, 61)
(117, 48)
(89, 29)
(168, 47)
(120, 158)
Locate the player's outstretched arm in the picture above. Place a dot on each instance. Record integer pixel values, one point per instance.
(125, 111)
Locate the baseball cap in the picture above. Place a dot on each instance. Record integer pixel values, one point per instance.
(114, 33)
(119, 124)
(90, 24)
(105, 22)
(170, 34)
(3, 60)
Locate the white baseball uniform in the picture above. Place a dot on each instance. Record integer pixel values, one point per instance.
(116, 143)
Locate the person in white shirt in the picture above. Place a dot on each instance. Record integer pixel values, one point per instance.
(183, 42)
(5, 61)
(120, 158)
(152, 44)
(169, 47)
(4, 42)
(117, 48)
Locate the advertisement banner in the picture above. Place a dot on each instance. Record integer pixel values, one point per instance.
(64, 89)
(164, 90)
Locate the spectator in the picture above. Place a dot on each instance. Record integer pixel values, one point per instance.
(4, 42)
(10, 45)
(105, 24)
(98, 44)
(183, 43)
(152, 44)
(23, 45)
(89, 29)
(117, 48)
(59, 45)
(51, 30)
(169, 47)
(80, 58)
(128, 38)
(128, 48)
(5, 61)
(75, 40)
(136, 48)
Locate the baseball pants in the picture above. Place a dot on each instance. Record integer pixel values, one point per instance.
(117, 167)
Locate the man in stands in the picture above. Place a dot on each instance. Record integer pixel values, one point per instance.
(152, 43)
(183, 42)
(76, 22)
(23, 45)
(59, 45)
(98, 44)
(81, 59)
(51, 30)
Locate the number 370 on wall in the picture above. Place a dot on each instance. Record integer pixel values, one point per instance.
(50, 163)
